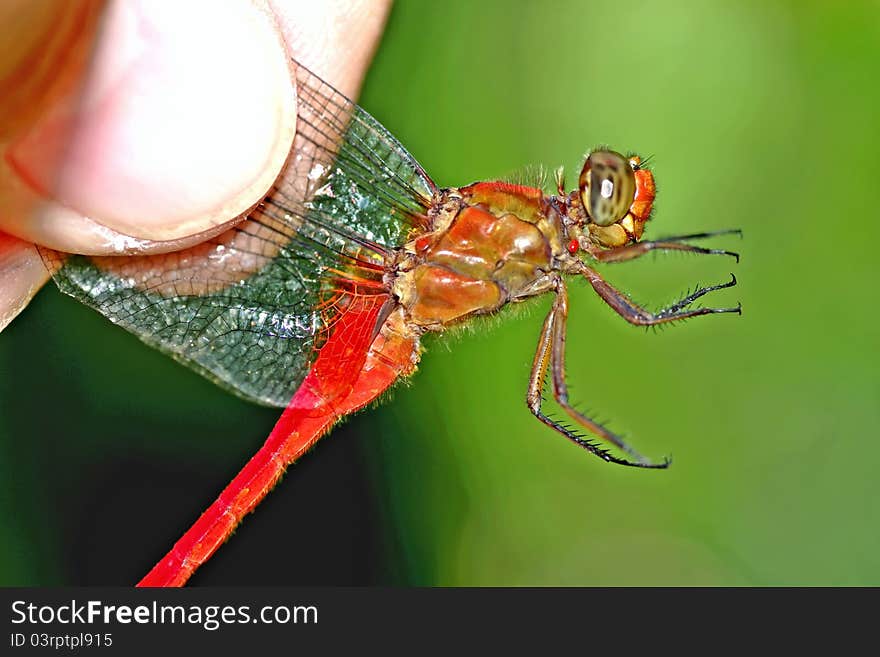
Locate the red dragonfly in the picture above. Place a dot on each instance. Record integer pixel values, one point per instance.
(317, 301)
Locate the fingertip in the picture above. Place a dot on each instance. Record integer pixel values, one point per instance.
(186, 118)
(179, 131)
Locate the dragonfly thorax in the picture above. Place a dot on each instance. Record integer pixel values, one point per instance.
(494, 244)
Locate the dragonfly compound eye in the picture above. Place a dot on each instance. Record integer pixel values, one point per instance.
(608, 187)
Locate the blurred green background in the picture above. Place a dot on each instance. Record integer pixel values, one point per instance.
(759, 115)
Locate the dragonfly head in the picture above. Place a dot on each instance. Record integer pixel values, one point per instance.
(617, 194)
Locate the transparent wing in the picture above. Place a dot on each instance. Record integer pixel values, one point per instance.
(248, 308)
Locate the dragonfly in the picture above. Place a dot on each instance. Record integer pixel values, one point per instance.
(316, 302)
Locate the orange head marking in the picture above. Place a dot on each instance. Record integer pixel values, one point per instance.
(617, 195)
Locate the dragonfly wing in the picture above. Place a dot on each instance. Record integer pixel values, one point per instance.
(250, 307)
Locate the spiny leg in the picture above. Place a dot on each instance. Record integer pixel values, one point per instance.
(632, 251)
(635, 314)
(700, 291)
(551, 354)
(560, 387)
(703, 235)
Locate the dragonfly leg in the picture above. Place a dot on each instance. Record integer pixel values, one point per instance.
(635, 314)
(677, 243)
(551, 355)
